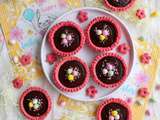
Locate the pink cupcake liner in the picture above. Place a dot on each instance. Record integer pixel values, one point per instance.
(23, 111)
(107, 19)
(55, 28)
(114, 100)
(95, 78)
(56, 72)
(118, 9)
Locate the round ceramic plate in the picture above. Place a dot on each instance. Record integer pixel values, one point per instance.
(87, 53)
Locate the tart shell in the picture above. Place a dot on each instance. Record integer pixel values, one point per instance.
(95, 78)
(114, 100)
(53, 31)
(118, 9)
(107, 19)
(24, 111)
(56, 72)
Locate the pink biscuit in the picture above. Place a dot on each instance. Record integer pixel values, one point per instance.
(91, 91)
(118, 9)
(123, 48)
(107, 19)
(95, 78)
(22, 107)
(114, 100)
(82, 16)
(17, 83)
(55, 28)
(56, 71)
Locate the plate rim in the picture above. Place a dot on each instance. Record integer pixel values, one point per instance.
(2, 42)
(74, 10)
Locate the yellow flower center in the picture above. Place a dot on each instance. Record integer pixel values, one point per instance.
(114, 113)
(71, 77)
(30, 104)
(102, 37)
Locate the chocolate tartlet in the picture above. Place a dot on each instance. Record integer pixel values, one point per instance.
(35, 103)
(103, 33)
(114, 109)
(119, 5)
(109, 70)
(71, 74)
(66, 38)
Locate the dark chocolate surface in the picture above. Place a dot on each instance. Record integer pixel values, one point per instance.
(122, 111)
(35, 94)
(70, 30)
(112, 60)
(95, 38)
(119, 3)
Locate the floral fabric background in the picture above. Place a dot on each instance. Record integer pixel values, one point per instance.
(23, 25)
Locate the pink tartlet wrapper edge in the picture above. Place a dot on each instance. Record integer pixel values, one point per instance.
(94, 76)
(118, 9)
(56, 71)
(98, 19)
(114, 100)
(42, 117)
(55, 28)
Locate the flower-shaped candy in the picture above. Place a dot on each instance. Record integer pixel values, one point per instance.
(110, 70)
(67, 39)
(141, 14)
(35, 104)
(123, 48)
(17, 83)
(51, 58)
(143, 92)
(91, 91)
(73, 74)
(25, 59)
(82, 16)
(102, 33)
(114, 115)
(145, 58)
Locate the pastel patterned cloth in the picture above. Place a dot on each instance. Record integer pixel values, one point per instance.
(23, 25)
